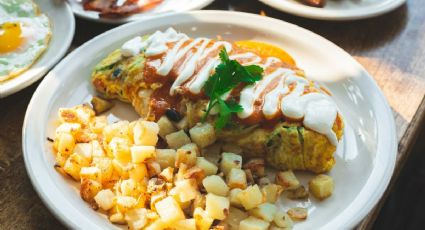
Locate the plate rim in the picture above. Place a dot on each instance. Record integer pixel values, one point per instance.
(6, 89)
(298, 9)
(390, 148)
(87, 16)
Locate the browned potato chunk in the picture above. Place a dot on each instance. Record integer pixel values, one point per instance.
(287, 180)
(298, 193)
(321, 186)
(89, 189)
(256, 166)
(100, 105)
(298, 213)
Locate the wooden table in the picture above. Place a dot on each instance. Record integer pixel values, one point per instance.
(390, 47)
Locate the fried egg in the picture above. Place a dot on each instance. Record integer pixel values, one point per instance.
(24, 36)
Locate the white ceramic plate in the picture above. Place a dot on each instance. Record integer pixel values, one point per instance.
(337, 10)
(164, 7)
(63, 27)
(365, 158)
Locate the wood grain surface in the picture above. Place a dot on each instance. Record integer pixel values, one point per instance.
(391, 47)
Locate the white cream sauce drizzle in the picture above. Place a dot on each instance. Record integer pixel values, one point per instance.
(317, 110)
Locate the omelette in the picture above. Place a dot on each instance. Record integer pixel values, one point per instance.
(287, 119)
(24, 36)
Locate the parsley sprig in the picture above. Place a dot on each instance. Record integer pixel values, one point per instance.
(228, 74)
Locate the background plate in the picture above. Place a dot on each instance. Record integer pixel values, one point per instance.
(63, 27)
(337, 10)
(365, 158)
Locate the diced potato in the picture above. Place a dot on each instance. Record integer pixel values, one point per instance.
(97, 150)
(298, 193)
(181, 173)
(281, 219)
(217, 206)
(271, 192)
(165, 126)
(232, 148)
(199, 202)
(230, 161)
(138, 172)
(156, 185)
(177, 139)
(129, 188)
(92, 173)
(117, 129)
(69, 128)
(117, 218)
(233, 197)
(287, 180)
(202, 219)
(169, 210)
(195, 173)
(156, 225)
(120, 149)
(298, 213)
(321, 186)
(187, 224)
(235, 217)
(203, 134)
(136, 218)
(249, 177)
(256, 165)
(156, 197)
(175, 193)
(73, 165)
(66, 143)
(100, 105)
(236, 178)
(106, 168)
(183, 124)
(105, 199)
(274, 227)
(252, 223)
(187, 189)
(84, 149)
(167, 174)
(145, 133)
(216, 185)
(251, 197)
(122, 168)
(265, 211)
(97, 124)
(153, 168)
(79, 114)
(208, 167)
(222, 225)
(166, 157)
(125, 203)
(141, 154)
(186, 157)
(60, 160)
(89, 189)
(263, 181)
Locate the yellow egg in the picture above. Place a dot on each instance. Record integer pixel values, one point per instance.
(10, 37)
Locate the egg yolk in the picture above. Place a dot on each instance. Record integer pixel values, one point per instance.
(10, 37)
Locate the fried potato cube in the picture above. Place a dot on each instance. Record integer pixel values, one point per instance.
(186, 156)
(287, 180)
(79, 114)
(97, 150)
(122, 168)
(138, 172)
(156, 225)
(73, 165)
(281, 219)
(128, 188)
(60, 160)
(216, 185)
(66, 144)
(92, 173)
(236, 179)
(120, 149)
(141, 154)
(195, 173)
(136, 218)
(203, 134)
(145, 133)
(89, 189)
(230, 161)
(117, 218)
(198, 202)
(125, 203)
(251, 197)
(84, 149)
(187, 189)
(202, 219)
(177, 139)
(217, 206)
(321, 186)
(165, 127)
(271, 192)
(208, 167)
(298, 193)
(167, 174)
(117, 129)
(235, 217)
(105, 166)
(100, 105)
(156, 197)
(252, 223)
(105, 199)
(256, 166)
(69, 128)
(169, 210)
(153, 168)
(187, 224)
(233, 197)
(166, 157)
(265, 211)
(298, 213)
(97, 124)
(274, 227)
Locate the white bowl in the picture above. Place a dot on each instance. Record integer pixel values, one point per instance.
(166, 6)
(337, 10)
(63, 27)
(365, 158)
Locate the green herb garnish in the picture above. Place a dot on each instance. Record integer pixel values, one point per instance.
(228, 74)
